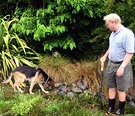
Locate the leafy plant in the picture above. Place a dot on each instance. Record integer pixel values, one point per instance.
(14, 50)
(64, 25)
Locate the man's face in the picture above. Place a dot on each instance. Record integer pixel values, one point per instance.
(109, 25)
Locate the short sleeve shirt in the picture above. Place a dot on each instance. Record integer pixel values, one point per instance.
(120, 43)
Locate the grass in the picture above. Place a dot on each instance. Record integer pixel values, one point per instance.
(40, 104)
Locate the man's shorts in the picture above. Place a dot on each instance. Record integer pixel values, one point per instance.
(122, 83)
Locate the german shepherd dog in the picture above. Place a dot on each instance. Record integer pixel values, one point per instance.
(31, 74)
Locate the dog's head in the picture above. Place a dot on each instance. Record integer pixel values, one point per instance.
(47, 81)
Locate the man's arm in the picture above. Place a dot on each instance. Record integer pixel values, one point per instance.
(103, 59)
(125, 62)
(127, 59)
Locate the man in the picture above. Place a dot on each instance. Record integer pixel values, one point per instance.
(119, 76)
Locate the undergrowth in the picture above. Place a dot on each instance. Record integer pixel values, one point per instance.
(41, 104)
(46, 105)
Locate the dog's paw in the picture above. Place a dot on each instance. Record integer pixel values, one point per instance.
(31, 93)
(46, 91)
(22, 91)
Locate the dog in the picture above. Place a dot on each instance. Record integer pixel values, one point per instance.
(30, 74)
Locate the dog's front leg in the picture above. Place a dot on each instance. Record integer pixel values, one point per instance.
(31, 87)
(42, 88)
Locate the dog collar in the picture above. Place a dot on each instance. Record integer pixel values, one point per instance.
(46, 80)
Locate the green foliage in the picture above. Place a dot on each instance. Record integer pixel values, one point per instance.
(64, 43)
(1, 93)
(20, 104)
(129, 109)
(62, 24)
(23, 104)
(50, 105)
(26, 24)
(5, 9)
(100, 40)
(51, 108)
(14, 50)
(1, 35)
(133, 63)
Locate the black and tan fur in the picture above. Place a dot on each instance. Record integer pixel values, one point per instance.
(31, 74)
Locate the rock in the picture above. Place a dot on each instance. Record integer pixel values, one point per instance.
(81, 85)
(55, 91)
(129, 98)
(77, 90)
(70, 94)
(61, 92)
(63, 88)
(131, 103)
(56, 54)
(65, 83)
(134, 99)
(58, 84)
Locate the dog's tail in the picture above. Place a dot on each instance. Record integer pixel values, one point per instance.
(8, 80)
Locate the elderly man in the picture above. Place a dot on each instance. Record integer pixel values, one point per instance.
(119, 76)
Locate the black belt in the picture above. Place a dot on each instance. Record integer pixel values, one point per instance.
(116, 62)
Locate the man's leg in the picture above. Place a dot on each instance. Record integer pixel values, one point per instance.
(112, 93)
(111, 100)
(122, 102)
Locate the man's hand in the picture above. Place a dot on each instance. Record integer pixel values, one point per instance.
(102, 59)
(120, 71)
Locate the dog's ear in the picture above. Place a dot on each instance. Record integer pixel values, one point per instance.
(50, 79)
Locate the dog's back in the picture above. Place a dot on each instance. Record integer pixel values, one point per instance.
(27, 70)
